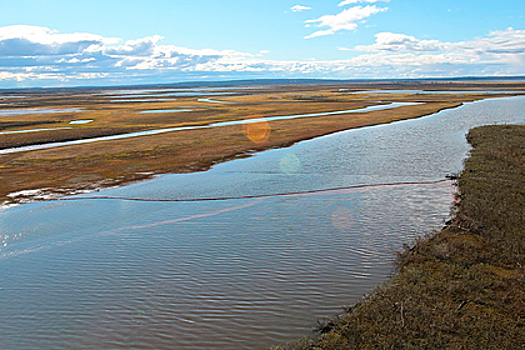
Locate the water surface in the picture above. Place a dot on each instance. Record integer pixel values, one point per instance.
(216, 101)
(146, 100)
(81, 121)
(30, 111)
(31, 130)
(310, 115)
(439, 92)
(182, 128)
(232, 274)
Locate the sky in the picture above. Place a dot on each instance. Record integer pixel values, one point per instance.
(46, 43)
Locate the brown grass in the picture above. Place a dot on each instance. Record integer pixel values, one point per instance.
(463, 288)
(117, 162)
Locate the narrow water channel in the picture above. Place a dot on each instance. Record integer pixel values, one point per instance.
(182, 128)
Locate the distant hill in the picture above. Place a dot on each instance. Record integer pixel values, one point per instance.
(267, 82)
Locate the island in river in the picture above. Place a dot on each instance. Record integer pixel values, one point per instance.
(62, 141)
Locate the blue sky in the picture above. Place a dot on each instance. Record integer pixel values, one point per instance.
(70, 42)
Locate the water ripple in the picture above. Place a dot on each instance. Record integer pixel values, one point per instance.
(238, 273)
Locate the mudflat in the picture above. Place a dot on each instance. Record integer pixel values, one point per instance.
(43, 117)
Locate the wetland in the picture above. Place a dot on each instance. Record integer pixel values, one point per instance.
(245, 234)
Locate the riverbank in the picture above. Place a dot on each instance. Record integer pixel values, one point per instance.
(88, 167)
(48, 173)
(464, 287)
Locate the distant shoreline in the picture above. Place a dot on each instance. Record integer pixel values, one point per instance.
(271, 81)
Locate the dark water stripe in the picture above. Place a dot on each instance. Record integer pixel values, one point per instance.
(284, 194)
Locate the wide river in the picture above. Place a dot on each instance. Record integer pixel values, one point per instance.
(236, 273)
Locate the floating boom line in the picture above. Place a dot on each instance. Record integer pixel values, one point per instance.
(226, 198)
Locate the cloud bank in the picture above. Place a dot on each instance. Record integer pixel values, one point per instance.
(37, 56)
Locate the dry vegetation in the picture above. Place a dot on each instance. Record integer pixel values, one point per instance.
(117, 162)
(463, 288)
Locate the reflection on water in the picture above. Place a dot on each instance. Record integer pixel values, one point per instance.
(31, 130)
(439, 92)
(81, 121)
(220, 275)
(29, 111)
(232, 274)
(215, 101)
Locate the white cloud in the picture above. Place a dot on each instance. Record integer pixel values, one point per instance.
(39, 50)
(22, 40)
(47, 36)
(320, 33)
(348, 2)
(38, 55)
(393, 42)
(345, 20)
(262, 53)
(140, 47)
(300, 8)
(509, 41)
(499, 53)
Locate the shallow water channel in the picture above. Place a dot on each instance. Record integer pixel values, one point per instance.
(237, 273)
(31, 111)
(207, 126)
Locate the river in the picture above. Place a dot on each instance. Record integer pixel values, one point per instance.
(242, 273)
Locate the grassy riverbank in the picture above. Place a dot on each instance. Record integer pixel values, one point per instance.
(25, 176)
(463, 288)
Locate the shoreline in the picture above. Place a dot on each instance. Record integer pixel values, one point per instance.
(55, 172)
(461, 287)
(52, 193)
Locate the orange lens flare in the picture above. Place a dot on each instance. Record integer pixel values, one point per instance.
(257, 132)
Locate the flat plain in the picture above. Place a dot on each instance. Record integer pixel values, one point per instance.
(192, 141)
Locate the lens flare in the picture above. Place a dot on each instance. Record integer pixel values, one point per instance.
(258, 132)
(290, 164)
